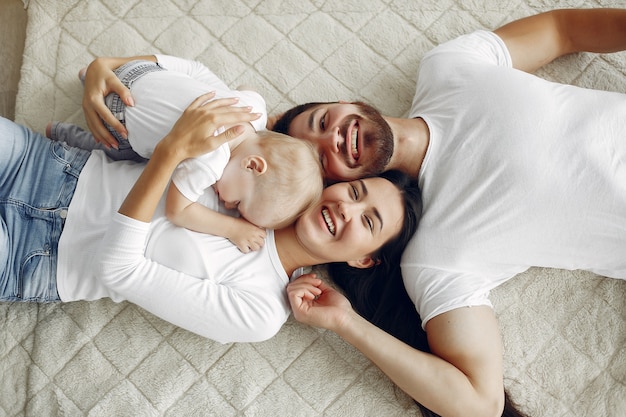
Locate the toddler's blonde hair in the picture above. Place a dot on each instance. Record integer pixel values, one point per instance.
(293, 181)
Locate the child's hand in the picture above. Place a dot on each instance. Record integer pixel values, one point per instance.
(247, 236)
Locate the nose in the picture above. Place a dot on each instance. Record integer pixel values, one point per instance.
(348, 209)
(331, 140)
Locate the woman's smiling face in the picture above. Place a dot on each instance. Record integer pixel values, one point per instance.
(352, 220)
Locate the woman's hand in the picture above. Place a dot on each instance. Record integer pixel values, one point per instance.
(100, 80)
(193, 133)
(317, 304)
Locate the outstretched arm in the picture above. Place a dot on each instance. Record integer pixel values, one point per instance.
(462, 377)
(537, 40)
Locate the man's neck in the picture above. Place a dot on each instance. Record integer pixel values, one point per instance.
(411, 139)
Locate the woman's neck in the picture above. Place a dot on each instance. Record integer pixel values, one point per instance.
(290, 252)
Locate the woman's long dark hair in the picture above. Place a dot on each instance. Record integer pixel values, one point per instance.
(391, 252)
(378, 294)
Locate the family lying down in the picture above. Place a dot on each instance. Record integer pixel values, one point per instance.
(186, 199)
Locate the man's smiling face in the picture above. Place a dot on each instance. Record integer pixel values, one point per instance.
(352, 139)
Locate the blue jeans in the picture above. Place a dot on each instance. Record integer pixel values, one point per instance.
(75, 136)
(38, 178)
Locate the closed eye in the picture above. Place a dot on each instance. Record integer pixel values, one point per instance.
(355, 192)
(370, 223)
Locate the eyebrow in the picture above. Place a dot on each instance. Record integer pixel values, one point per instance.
(376, 212)
(312, 118)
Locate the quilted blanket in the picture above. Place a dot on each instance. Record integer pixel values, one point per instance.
(564, 332)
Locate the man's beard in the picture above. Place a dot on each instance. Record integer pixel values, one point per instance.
(379, 139)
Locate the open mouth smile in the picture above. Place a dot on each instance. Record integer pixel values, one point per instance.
(329, 221)
(354, 142)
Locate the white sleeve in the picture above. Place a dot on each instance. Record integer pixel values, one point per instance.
(480, 46)
(194, 69)
(202, 306)
(435, 292)
(200, 72)
(193, 176)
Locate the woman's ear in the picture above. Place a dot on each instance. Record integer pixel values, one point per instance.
(254, 163)
(364, 262)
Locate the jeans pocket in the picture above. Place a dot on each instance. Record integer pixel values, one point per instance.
(36, 277)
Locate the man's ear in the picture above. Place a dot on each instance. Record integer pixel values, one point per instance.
(254, 163)
(364, 262)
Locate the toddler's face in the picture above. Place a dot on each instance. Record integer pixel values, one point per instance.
(237, 189)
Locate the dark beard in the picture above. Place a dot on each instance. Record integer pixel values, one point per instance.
(380, 140)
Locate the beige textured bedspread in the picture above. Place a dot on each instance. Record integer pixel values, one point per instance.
(564, 332)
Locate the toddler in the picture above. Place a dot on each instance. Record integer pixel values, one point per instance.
(268, 177)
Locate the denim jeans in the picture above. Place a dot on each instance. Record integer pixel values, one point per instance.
(75, 136)
(79, 138)
(128, 74)
(38, 178)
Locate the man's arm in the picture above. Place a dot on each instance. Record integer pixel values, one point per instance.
(537, 40)
(462, 377)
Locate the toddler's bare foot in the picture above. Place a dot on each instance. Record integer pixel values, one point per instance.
(81, 74)
(49, 130)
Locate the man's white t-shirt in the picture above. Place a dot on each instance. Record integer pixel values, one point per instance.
(519, 172)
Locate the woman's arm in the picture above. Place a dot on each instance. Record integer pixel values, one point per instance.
(191, 136)
(463, 376)
(537, 40)
(202, 306)
(100, 80)
(250, 310)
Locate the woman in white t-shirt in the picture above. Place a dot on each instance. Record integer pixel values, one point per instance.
(61, 239)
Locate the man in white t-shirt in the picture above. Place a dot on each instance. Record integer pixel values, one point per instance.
(515, 171)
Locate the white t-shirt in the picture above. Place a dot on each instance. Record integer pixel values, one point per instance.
(219, 293)
(519, 172)
(162, 96)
